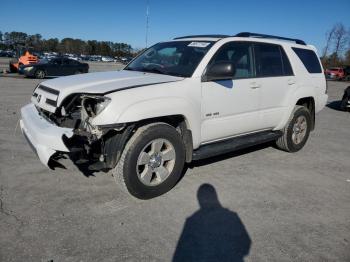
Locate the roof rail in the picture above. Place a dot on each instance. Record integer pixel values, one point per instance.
(201, 36)
(248, 34)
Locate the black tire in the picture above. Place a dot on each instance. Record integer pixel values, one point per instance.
(286, 142)
(345, 100)
(40, 74)
(77, 72)
(125, 172)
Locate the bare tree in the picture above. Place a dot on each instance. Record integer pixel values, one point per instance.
(329, 38)
(340, 38)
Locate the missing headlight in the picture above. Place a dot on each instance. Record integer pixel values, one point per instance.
(94, 105)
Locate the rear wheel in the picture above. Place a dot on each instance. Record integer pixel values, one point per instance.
(152, 161)
(40, 74)
(297, 130)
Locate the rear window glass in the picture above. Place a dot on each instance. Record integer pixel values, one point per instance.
(309, 59)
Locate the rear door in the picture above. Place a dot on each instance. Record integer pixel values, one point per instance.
(275, 76)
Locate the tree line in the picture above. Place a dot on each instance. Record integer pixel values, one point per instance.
(13, 40)
(337, 47)
(335, 53)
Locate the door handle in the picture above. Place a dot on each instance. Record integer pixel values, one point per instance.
(291, 82)
(254, 85)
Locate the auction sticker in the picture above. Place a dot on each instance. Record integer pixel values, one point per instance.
(199, 44)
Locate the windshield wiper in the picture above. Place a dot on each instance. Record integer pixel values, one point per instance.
(130, 69)
(153, 70)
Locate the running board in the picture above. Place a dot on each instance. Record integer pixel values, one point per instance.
(233, 144)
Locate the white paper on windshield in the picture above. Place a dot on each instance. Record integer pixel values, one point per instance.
(199, 44)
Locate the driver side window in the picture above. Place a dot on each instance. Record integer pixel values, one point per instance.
(240, 55)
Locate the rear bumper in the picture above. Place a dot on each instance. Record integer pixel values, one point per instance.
(44, 137)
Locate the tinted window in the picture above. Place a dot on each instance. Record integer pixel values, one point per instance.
(309, 59)
(268, 60)
(240, 54)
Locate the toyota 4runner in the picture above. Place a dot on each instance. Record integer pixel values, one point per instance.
(187, 99)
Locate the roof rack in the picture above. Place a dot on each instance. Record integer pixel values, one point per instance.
(248, 34)
(202, 36)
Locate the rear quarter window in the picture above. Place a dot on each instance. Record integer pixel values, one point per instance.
(309, 59)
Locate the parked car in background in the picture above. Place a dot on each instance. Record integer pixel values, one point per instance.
(335, 73)
(107, 59)
(95, 58)
(54, 67)
(347, 73)
(345, 102)
(125, 60)
(7, 53)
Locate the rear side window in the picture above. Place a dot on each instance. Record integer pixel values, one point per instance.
(309, 59)
(271, 60)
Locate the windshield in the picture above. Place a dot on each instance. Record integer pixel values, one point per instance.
(178, 58)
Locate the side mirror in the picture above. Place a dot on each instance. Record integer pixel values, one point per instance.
(219, 71)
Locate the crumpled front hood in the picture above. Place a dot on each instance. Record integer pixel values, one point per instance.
(105, 82)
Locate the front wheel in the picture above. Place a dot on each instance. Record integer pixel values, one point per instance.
(297, 130)
(152, 161)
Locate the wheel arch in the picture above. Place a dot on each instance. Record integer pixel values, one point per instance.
(114, 142)
(309, 103)
(303, 99)
(180, 123)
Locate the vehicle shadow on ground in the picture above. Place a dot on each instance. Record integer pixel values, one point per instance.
(84, 166)
(208, 161)
(213, 233)
(335, 105)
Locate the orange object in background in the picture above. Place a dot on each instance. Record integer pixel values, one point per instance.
(25, 59)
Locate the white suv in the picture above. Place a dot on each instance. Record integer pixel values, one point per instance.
(179, 101)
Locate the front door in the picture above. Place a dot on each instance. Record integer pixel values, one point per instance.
(231, 107)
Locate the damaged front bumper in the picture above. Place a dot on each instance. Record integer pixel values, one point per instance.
(44, 137)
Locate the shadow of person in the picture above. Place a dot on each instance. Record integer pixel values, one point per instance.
(213, 233)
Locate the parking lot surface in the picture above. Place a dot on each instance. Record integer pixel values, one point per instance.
(259, 204)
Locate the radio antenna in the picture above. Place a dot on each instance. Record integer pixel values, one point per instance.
(147, 21)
